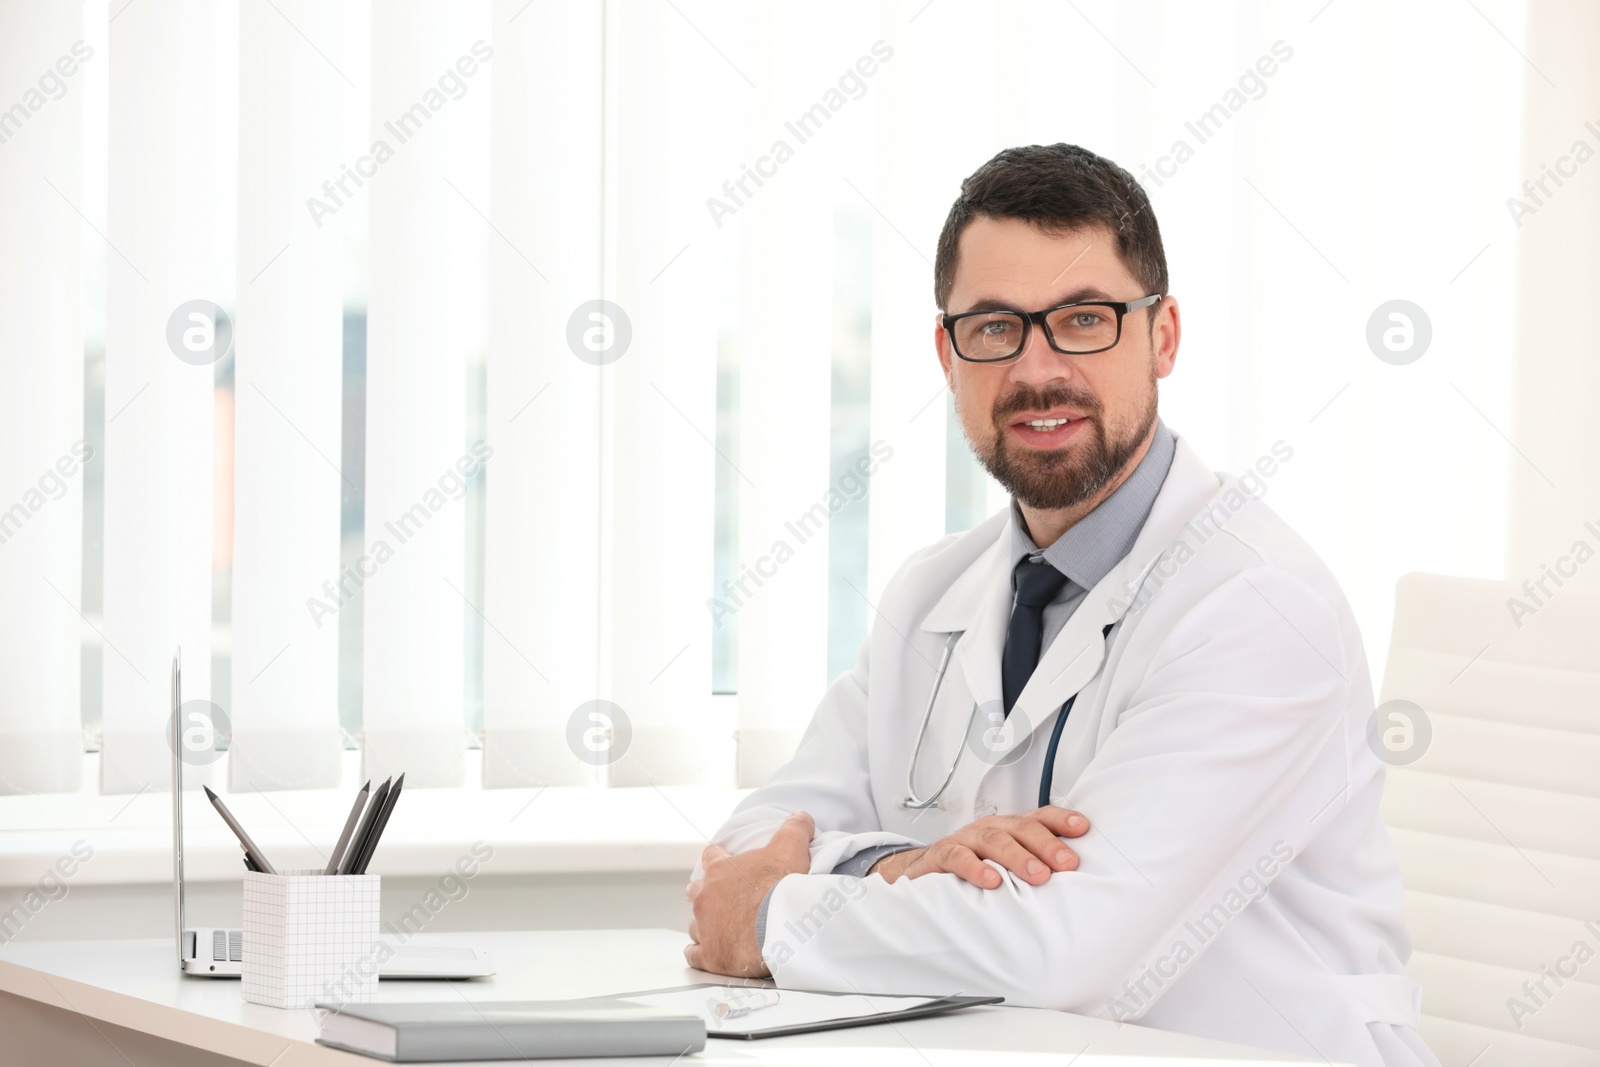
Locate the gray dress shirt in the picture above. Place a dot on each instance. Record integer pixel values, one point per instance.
(1085, 554)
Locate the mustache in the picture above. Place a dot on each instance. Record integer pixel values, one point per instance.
(1026, 398)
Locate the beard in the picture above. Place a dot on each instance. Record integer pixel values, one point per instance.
(1063, 477)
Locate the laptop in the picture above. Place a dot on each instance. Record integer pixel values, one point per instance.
(216, 952)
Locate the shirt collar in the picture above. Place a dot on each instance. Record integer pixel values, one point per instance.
(1087, 552)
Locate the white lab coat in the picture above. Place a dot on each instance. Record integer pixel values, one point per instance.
(1237, 881)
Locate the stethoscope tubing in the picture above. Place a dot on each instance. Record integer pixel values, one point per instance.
(913, 802)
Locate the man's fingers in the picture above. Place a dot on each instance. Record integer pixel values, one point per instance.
(962, 862)
(1027, 845)
(694, 931)
(694, 955)
(793, 839)
(1062, 821)
(1039, 841)
(998, 844)
(797, 824)
(693, 890)
(711, 853)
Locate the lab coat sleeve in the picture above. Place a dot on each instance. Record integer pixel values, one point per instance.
(827, 777)
(1233, 748)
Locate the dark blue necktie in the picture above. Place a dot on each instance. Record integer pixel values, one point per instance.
(1038, 584)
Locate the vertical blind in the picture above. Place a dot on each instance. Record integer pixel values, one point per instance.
(287, 382)
(425, 238)
(161, 211)
(41, 413)
(786, 252)
(640, 220)
(545, 193)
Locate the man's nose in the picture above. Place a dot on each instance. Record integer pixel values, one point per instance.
(1038, 362)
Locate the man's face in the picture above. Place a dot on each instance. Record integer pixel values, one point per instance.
(1010, 411)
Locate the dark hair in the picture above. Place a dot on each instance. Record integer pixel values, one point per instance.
(1056, 187)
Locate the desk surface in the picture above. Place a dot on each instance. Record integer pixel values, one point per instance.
(136, 984)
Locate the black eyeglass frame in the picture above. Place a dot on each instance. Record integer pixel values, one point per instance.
(1029, 318)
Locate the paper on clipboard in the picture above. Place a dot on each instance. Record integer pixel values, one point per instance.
(795, 1008)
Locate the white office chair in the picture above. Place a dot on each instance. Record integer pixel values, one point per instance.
(1497, 824)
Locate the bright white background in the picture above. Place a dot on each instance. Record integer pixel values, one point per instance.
(774, 340)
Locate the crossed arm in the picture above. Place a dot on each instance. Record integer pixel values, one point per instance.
(1240, 746)
(751, 857)
(722, 933)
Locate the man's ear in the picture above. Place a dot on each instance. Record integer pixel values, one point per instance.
(941, 345)
(1167, 332)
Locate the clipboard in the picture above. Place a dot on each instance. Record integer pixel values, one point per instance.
(935, 1006)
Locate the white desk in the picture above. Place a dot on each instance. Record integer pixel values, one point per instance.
(131, 993)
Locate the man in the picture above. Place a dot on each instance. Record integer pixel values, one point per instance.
(1137, 656)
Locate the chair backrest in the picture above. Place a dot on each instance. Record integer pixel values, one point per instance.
(1493, 802)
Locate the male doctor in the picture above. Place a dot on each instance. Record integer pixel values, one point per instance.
(1138, 657)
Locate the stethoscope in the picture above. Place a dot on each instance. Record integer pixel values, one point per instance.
(915, 803)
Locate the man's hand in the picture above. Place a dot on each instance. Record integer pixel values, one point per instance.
(1027, 845)
(726, 899)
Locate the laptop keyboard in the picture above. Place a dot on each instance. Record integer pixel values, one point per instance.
(227, 945)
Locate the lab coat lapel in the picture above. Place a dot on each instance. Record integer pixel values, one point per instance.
(1066, 666)
(978, 605)
(1075, 656)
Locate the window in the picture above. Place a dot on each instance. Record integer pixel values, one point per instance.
(580, 358)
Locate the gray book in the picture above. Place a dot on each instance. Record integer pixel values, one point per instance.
(507, 1030)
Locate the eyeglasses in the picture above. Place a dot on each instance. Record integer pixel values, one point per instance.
(1071, 329)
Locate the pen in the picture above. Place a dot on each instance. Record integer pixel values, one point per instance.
(347, 864)
(744, 1003)
(377, 830)
(349, 828)
(250, 849)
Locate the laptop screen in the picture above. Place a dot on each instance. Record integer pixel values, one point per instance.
(177, 803)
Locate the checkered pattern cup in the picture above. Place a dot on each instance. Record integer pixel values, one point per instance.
(306, 933)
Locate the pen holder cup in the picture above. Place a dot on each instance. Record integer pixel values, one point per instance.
(308, 937)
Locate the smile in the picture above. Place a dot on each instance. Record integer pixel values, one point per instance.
(1050, 431)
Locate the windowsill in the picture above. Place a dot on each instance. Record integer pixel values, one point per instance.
(559, 830)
